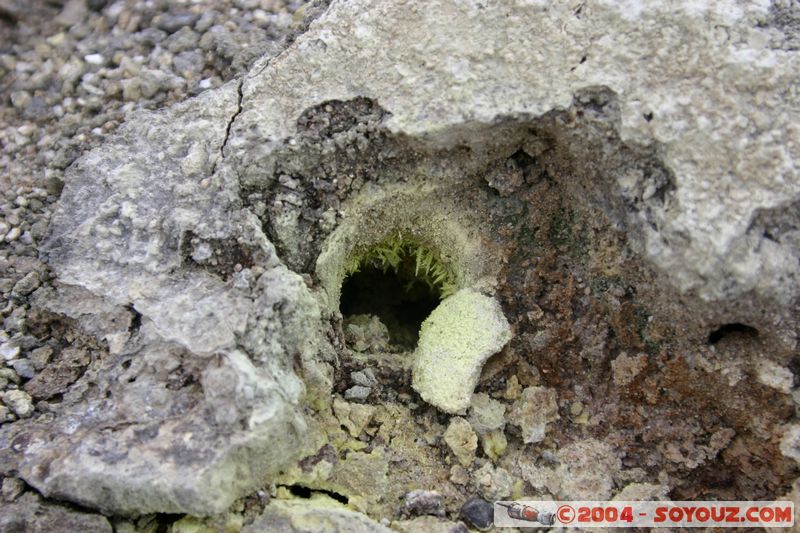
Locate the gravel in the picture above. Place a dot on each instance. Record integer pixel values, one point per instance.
(71, 72)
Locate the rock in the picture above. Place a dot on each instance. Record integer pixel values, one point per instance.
(533, 411)
(94, 59)
(454, 343)
(462, 440)
(428, 524)
(585, 470)
(494, 444)
(790, 442)
(423, 502)
(107, 322)
(9, 374)
(366, 333)
(23, 368)
(13, 234)
(172, 22)
(129, 437)
(12, 488)
(40, 357)
(355, 417)
(642, 492)
(30, 513)
(226, 522)
(57, 377)
(626, 368)
(74, 12)
(29, 283)
(479, 513)
(486, 414)
(19, 402)
(493, 483)
(357, 392)
(9, 351)
(365, 378)
(10, 10)
(459, 475)
(775, 376)
(317, 515)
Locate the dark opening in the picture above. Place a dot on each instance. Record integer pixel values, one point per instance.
(306, 492)
(732, 329)
(400, 300)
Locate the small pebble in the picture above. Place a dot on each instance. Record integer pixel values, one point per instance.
(479, 513)
(14, 234)
(359, 392)
(424, 502)
(8, 352)
(19, 402)
(40, 357)
(172, 22)
(27, 284)
(12, 488)
(24, 368)
(94, 59)
(9, 375)
(365, 378)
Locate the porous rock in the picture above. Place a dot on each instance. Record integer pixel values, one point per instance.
(462, 440)
(535, 408)
(454, 343)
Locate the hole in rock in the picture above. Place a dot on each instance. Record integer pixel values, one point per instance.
(305, 492)
(400, 299)
(728, 330)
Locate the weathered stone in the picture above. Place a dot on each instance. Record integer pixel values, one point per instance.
(19, 402)
(486, 414)
(642, 492)
(353, 416)
(115, 245)
(478, 512)
(27, 284)
(424, 502)
(494, 444)
(30, 513)
(626, 368)
(12, 488)
(493, 483)
(585, 470)
(428, 524)
(462, 440)
(533, 411)
(319, 515)
(454, 343)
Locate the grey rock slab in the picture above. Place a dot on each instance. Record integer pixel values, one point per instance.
(702, 85)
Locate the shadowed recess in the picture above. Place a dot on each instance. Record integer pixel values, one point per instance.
(400, 300)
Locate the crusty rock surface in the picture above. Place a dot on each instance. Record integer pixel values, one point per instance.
(190, 242)
(454, 342)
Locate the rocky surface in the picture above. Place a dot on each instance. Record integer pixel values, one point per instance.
(611, 187)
